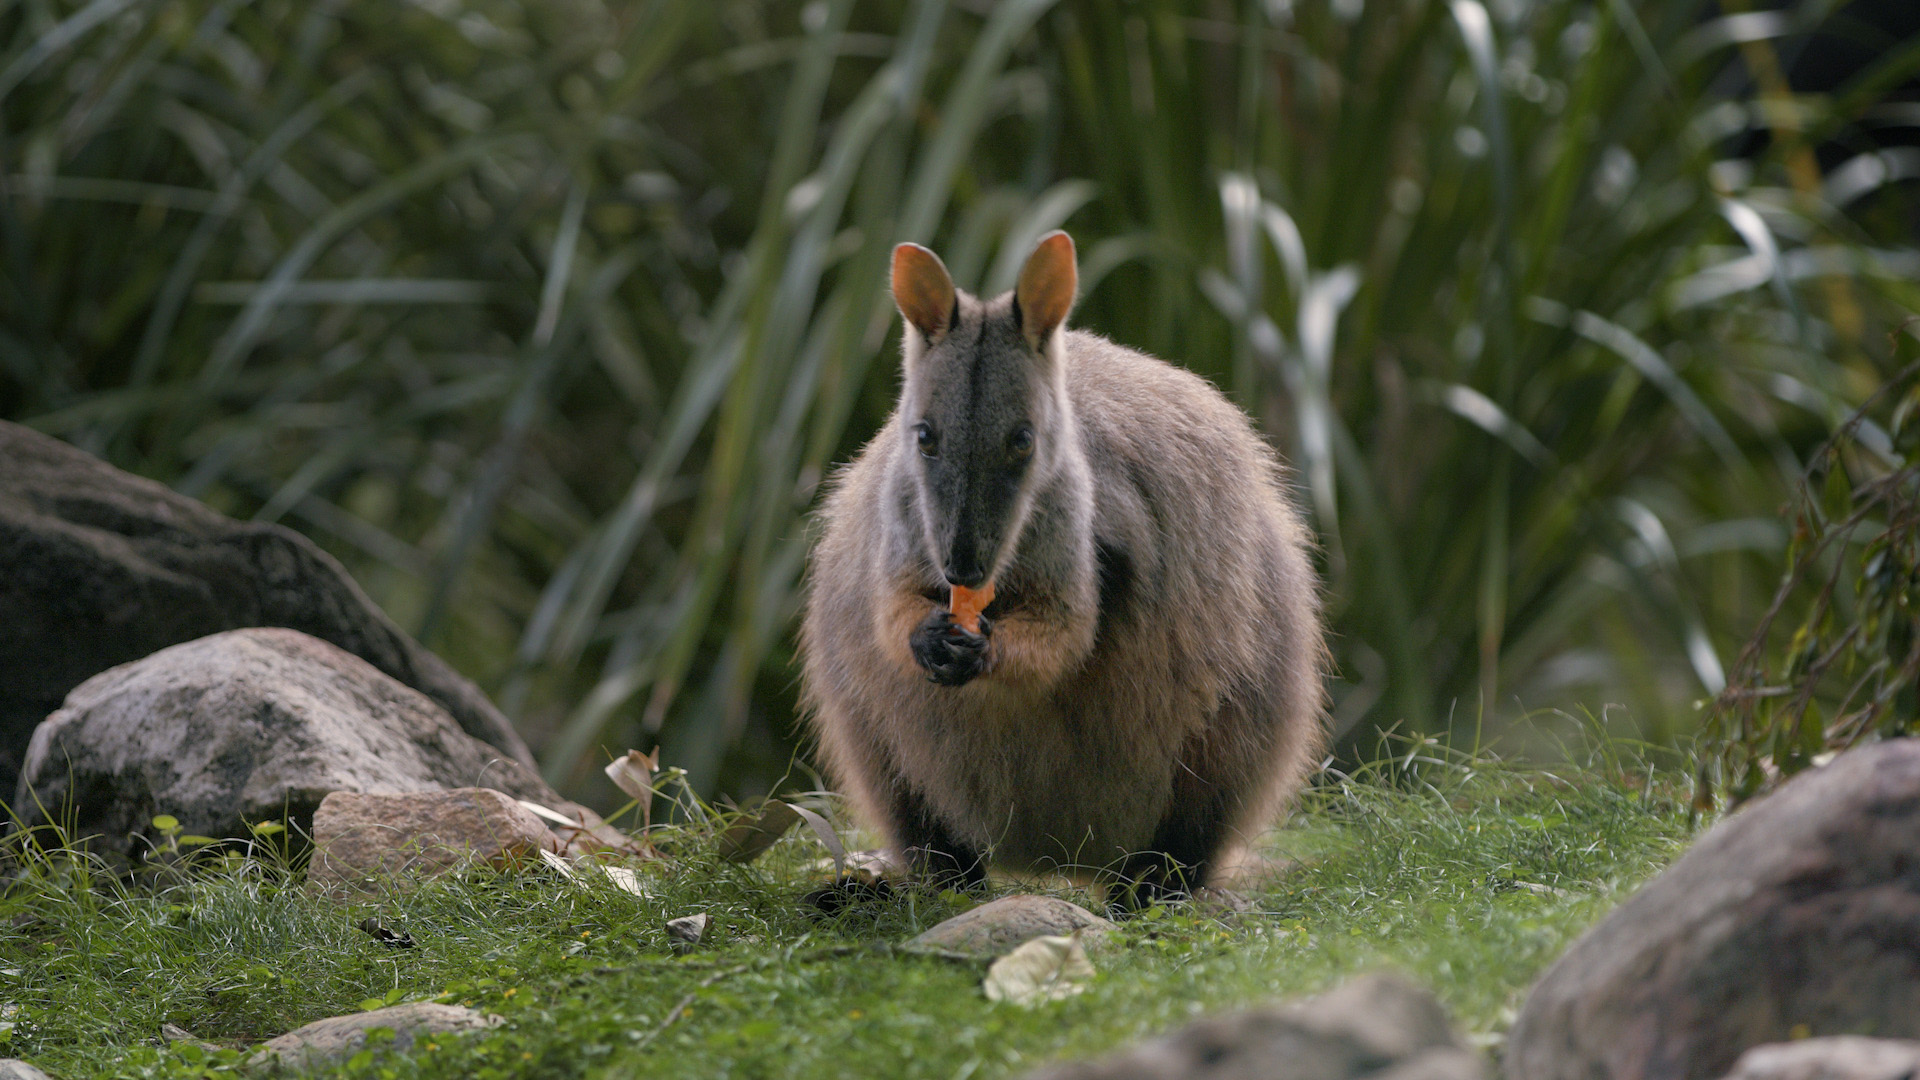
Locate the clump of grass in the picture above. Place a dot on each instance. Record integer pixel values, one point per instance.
(1467, 872)
(549, 317)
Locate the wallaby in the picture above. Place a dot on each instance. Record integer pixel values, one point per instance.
(1145, 687)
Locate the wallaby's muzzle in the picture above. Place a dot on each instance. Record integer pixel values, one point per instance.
(964, 569)
(966, 564)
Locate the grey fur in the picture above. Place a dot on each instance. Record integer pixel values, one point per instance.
(1184, 700)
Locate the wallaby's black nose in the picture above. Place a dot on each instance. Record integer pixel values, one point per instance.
(966, 572)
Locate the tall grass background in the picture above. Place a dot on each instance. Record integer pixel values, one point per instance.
(550, 318)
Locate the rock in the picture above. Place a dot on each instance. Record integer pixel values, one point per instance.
(15, 1069)
(339, 1037)
(103, 567)
(1377, 1026)
(359, 838)
(1002, 925)
(1837, 1057)
(1796, 916)
(687, 930)
(174, 1033)
(248, 725)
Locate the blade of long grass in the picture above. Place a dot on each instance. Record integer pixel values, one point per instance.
(715, 365)
(59, 37)
(252, 323)
(1655, 369)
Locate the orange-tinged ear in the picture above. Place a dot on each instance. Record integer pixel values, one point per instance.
(1044, 294)
(923, 290)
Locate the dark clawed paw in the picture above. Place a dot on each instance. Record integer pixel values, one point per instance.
(829, 900)
(950, 654)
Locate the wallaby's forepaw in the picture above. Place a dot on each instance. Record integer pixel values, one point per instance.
(950, 654)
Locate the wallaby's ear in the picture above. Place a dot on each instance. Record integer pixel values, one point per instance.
(923, 290)
(1044, 294)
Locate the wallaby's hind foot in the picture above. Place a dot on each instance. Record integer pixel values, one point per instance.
(935, 857)
(831, 900)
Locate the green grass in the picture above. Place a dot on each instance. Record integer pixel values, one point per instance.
(1471, 875)
(548, 317)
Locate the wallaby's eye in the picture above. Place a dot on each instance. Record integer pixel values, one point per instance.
(929, 444)
(1020, 443)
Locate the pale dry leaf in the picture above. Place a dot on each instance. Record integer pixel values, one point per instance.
(1042, 970)
(864, 866)
(626, 880)
(622, 877)
(548, 814)
(827, 836)
(746, 839)
(633, 771)
(587, 832)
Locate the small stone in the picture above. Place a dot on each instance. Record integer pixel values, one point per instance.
(688, 929)
(16, 1069)
(1003, 925)
(174, 1033)
(1838, 1057)
(375, 838)
(1380, 1027)
(339, 1037)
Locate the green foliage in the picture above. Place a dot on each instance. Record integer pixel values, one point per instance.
(1468, 873)
(1836, 659)
(550, 318)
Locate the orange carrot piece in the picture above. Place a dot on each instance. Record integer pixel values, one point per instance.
(968, 604)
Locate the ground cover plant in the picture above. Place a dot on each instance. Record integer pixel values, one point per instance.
(1468, 873)
(1834, 661)
(549, 318)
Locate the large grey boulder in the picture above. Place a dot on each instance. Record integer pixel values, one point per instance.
(248, 725)
(1377, 1026)
(99, 567)
(1799, 915)
(1838, 1057)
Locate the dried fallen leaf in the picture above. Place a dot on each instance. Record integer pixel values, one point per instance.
(1044, 969)
(745, 840)
(586, 832)
(827, 836)
(550, 815)
(632, 772)
(622, 877)
(625, 880)
(864, 866)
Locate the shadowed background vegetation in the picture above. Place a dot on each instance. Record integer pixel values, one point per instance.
(550, 318)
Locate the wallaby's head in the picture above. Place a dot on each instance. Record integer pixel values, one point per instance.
(983, 406)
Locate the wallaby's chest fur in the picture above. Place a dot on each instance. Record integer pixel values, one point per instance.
(1153, 678)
